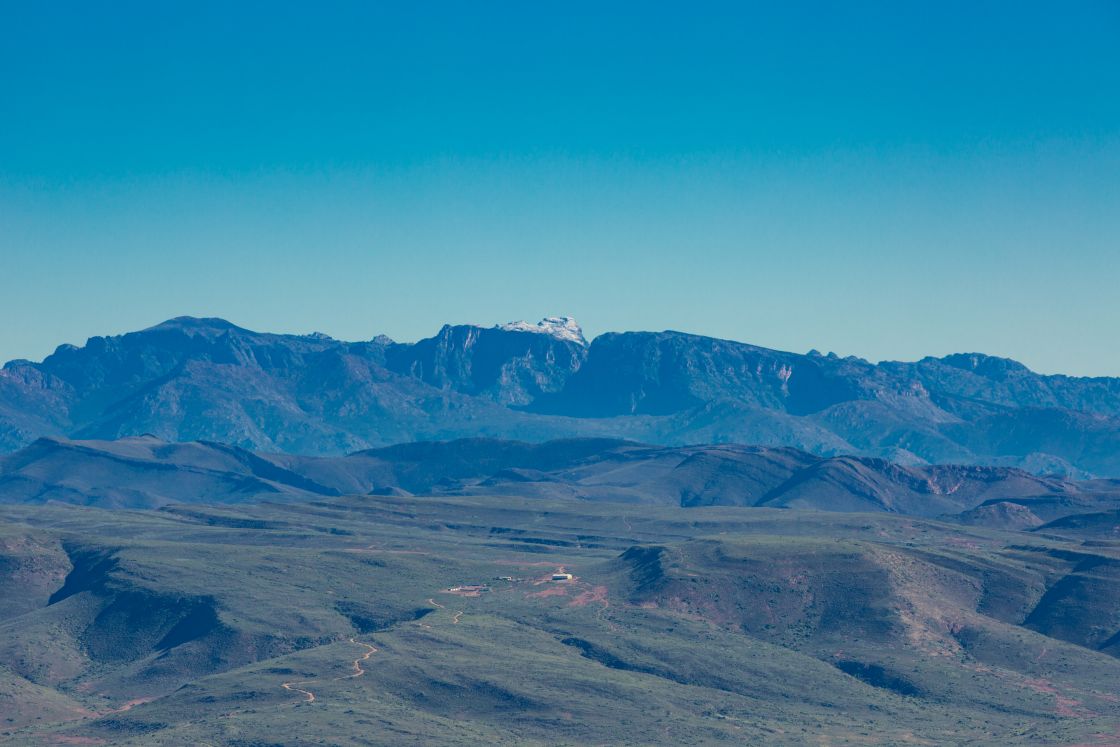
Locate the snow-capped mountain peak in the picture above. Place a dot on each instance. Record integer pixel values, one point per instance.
(560, 327)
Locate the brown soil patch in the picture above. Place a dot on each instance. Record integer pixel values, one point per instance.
(552, 591)
(595, 594)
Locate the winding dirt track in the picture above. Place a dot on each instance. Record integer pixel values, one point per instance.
(358, 671)
(291, 687)
(454, 618)
(356, 665)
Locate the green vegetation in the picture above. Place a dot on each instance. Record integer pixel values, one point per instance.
(329, 622)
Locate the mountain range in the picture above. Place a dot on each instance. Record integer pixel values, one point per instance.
(191, 379)
(215, 536)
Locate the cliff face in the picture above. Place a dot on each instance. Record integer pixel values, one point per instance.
(511, 366)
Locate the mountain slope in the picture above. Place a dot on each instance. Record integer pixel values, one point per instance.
(510, 364)
(207, 379)
(145, 472)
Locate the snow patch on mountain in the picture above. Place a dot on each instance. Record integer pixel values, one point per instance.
(560, 327)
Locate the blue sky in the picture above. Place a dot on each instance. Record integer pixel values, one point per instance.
(878, 179)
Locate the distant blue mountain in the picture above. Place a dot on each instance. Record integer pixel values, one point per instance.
(207, 379)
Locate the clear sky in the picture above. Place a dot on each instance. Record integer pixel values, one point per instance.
(882, 179)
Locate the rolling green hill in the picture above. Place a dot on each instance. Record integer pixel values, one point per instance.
(145, 472)
(331, 622)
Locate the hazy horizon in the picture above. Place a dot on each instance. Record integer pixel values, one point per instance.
(873, 180)
(588, 333)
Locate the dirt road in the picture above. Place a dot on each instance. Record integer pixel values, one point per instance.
(356, 665)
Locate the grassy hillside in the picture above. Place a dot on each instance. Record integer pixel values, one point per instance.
(331, 622)
(146, 472)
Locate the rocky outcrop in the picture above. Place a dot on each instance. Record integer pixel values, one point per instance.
(512, 364)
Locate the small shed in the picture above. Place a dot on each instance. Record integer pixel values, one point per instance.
(561, 577)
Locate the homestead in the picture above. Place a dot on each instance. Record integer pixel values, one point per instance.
(561, 577)
(470, 590)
